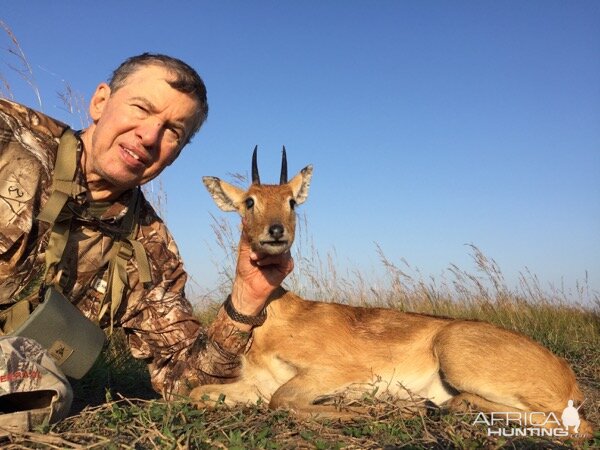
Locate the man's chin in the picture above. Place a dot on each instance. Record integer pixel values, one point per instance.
(112, 185)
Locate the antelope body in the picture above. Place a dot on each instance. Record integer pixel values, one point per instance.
(307, 353)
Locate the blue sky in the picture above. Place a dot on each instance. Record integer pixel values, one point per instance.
(430, 125)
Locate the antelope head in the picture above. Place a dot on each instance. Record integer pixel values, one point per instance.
(267, 210)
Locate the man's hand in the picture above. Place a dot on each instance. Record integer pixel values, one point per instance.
(256, 277)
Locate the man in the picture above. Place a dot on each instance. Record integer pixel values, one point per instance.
(142, 119)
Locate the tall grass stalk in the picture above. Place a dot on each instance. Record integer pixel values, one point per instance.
(22, 68)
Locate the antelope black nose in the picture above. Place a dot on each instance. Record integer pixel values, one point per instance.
(276, 231)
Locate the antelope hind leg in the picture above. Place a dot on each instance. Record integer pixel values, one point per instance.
(504, 368)
(467, 402)
(496, 370)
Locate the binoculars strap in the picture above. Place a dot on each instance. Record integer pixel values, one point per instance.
(60, 218)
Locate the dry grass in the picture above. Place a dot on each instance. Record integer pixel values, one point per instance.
(134, 423)
(18, 64)
(21, 64)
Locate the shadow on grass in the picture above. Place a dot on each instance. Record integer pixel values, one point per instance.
(115, 373)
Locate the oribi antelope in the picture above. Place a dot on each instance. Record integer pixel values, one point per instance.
(309, 352)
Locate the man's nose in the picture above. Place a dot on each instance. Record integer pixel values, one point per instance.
(150, 132)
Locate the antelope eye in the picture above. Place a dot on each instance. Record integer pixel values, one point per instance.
(249, 203)
(292, 203)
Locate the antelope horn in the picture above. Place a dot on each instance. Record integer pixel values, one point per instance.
(284, 173)
(255, 177)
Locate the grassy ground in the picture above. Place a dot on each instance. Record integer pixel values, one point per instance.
(116, 408)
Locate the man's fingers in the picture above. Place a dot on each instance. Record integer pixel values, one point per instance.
(289, 266)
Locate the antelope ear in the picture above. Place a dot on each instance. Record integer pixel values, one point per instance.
(300, 184)
(225, 195)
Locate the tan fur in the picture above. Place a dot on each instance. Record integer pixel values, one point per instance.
(308, 352)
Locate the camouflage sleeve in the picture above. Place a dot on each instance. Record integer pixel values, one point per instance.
(162, 329)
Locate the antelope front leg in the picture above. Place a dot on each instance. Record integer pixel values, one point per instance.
(210, 395)
(308, 398)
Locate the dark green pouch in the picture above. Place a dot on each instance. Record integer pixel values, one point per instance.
(72, 340)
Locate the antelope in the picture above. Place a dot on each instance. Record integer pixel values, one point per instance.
(308, 353)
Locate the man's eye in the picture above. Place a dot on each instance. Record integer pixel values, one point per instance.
(140, 108)
(175, 133)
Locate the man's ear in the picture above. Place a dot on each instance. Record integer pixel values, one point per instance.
(98, 101)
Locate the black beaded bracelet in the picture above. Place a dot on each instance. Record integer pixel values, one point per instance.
(255, 321)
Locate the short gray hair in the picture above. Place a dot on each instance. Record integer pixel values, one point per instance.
(186, 80)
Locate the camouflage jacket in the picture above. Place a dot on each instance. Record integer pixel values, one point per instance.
(157, 318)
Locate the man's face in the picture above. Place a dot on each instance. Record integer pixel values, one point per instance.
(138, 130)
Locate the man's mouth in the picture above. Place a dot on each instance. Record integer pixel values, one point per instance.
(133, 155)
(132, 158)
